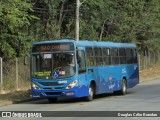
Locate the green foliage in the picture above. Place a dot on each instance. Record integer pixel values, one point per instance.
(25, 21)
(14, 22)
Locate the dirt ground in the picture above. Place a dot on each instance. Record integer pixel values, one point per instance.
(14, 97)
(150, 74)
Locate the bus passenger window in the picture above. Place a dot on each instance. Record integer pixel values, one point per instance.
(81, 61)
(114, 56)
(98, 56)
(106, 56)
(129, 56)
(122, 55)
(90, 57)
(135, 55)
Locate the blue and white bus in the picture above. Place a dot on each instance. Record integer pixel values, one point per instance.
(69, 68)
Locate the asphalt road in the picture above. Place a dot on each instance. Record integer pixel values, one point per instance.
(143, 97)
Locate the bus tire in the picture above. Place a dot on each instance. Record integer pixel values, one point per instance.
(123, 90)
(52, 100)
(91, 93)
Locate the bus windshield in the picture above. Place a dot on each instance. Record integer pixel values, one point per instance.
(53, 65)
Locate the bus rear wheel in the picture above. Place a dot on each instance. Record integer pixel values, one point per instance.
(123, 91)
(91, 93)
(52, 100)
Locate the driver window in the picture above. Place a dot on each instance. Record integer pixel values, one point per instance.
(81, 61)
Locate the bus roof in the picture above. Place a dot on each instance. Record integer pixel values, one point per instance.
(86, 43)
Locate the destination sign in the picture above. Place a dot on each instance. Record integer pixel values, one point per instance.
(53, 47)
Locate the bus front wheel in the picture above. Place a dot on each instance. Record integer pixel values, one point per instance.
(91, 93)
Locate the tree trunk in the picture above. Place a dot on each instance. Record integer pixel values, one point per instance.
(102, 30)
(61, 17)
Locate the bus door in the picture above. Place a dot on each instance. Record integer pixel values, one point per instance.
(82, 76)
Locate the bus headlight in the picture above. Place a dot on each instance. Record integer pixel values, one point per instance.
(72, 84)
(35, 86)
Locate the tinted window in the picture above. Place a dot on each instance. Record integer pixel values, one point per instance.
(114, 52)
(81, 61)
(122, 55)
(106, 56)
(97, 52)
(98, 56)
(114, 56)
(129, 56)
(90, 58)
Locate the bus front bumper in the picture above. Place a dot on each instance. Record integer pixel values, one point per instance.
(72, 93)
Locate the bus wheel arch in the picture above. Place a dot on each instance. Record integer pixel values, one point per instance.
(92, 91)
(93, 83)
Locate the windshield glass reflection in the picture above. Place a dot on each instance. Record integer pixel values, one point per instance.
(53, 66)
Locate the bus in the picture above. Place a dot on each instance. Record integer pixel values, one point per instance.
(82, 69)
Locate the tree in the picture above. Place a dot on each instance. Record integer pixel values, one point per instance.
(25, 21)
(56, 19)
(14, 22)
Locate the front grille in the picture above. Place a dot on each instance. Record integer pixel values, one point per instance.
(48, 83)
(53, 93)
(56, 88)
(50, 88)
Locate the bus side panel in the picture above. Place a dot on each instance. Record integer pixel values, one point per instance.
(92, 76)
(109, 78)
(115, 76)
(132, 75)
(104, 83)
(95, 74)
(83, 85)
